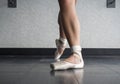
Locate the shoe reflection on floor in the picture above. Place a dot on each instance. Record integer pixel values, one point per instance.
(74, 76)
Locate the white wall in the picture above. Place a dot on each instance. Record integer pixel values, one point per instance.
(34, 24)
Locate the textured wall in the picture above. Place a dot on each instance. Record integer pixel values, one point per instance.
(34, 24)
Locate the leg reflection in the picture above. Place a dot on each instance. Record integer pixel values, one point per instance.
(74, 76)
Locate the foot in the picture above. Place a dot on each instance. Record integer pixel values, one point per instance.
(60, 49)
(74, 61)
(74, 58)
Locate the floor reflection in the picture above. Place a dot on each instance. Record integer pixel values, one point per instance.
(74, 76)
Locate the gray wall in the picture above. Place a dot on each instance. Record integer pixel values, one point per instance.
(34, 24)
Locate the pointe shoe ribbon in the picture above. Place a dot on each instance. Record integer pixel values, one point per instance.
(77, 50)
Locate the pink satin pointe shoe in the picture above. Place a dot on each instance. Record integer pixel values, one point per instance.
(63, 65)
(60, 44)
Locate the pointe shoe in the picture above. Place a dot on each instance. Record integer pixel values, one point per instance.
(63, 65)
(61, 45)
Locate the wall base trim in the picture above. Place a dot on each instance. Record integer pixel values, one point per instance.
(47, 52)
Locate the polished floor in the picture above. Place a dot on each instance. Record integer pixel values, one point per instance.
(100, 70)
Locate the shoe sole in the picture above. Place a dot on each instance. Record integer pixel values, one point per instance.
(73, 67)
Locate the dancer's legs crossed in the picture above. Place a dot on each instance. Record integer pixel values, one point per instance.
(71, 26)
(61, 31)
(71, 30)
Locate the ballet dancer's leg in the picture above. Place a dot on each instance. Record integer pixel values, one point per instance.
(61, 30)
(71, 25)
(62, 37)
(61, 42)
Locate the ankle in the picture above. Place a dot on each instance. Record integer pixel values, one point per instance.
(76, 50)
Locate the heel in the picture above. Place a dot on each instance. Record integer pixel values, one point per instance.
(81, 65)
(77, 50)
